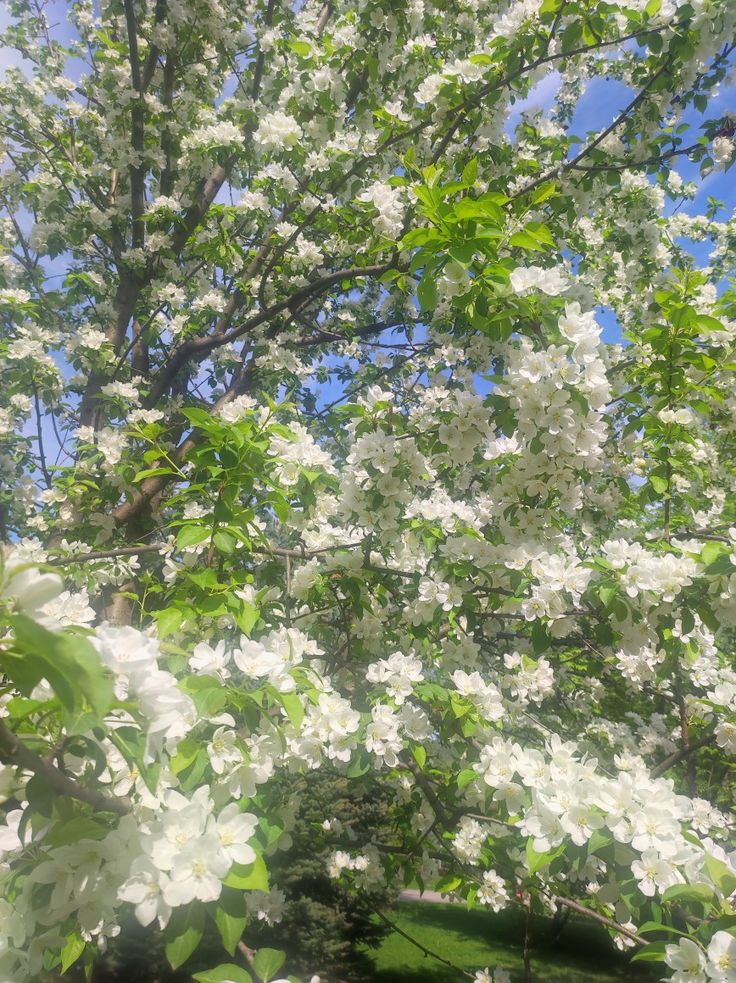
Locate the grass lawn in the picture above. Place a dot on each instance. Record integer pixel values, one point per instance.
(475, 939)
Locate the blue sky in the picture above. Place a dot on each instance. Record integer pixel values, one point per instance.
(599, 105)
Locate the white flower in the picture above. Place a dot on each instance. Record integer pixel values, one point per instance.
(255, 660)
(526, 278)
(653, 873)
(486, 696)
(69, 609)
(182, 821)
(277, 130)
(9, 838)
(469, 840)
(121, 390)
(332, 722)
(268, 906)
(399, 672)
(688, 960)
(389, 208)
(28, 588)
(14, 296)
(171, 713)
(210, 661)
(580, 822)
(723, 150)
(493, 891)
(655, 828)
(233, 829)
(382, 734)
(223, 752)
(721, 966)
(197, 871)
(144, 889)
(237, 409)
(223, 134)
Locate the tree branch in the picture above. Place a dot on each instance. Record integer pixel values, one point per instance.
(296, 554)
(13, 752)
(681, 755)
(221, 172)
(624, 114)
(150, 66)
(201, 346)
(601, 919)
(137, 131)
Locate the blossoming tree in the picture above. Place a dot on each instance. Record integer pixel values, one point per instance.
(312, 452)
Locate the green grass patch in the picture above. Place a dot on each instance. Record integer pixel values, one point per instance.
(475, 939)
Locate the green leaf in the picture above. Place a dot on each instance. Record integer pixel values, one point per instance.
(448, 883)
(208, 693)
(359, 765)
(246, 616)
(200, 418)
(293, 706)
(267, 962)
(224, 973)
(538, 860)
(524, 240)
(68, 661)
(419, 237)
(183, 933)
(654, 952)
(466, 776)
(688, 620)
(543, 192)
(689, 892)
(470, 171)
(607, 595)
(654, 926)
(460, 706)
(721, 874)
(598, 840)
(658, 483)
(253, 877)
(540, 637)
(150, 473)
(191, 535)
(71, 952)
(540, 232)
(168, 621)
(75, 829)
(712, 552)
(427, 291)
(224, 541)
(39, 795)
(463, 252)
(420, 756)
(301, 48)
(230, 916)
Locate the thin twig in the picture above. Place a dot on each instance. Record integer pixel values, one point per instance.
(427, 952)
(298, 554)
(41, 451)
